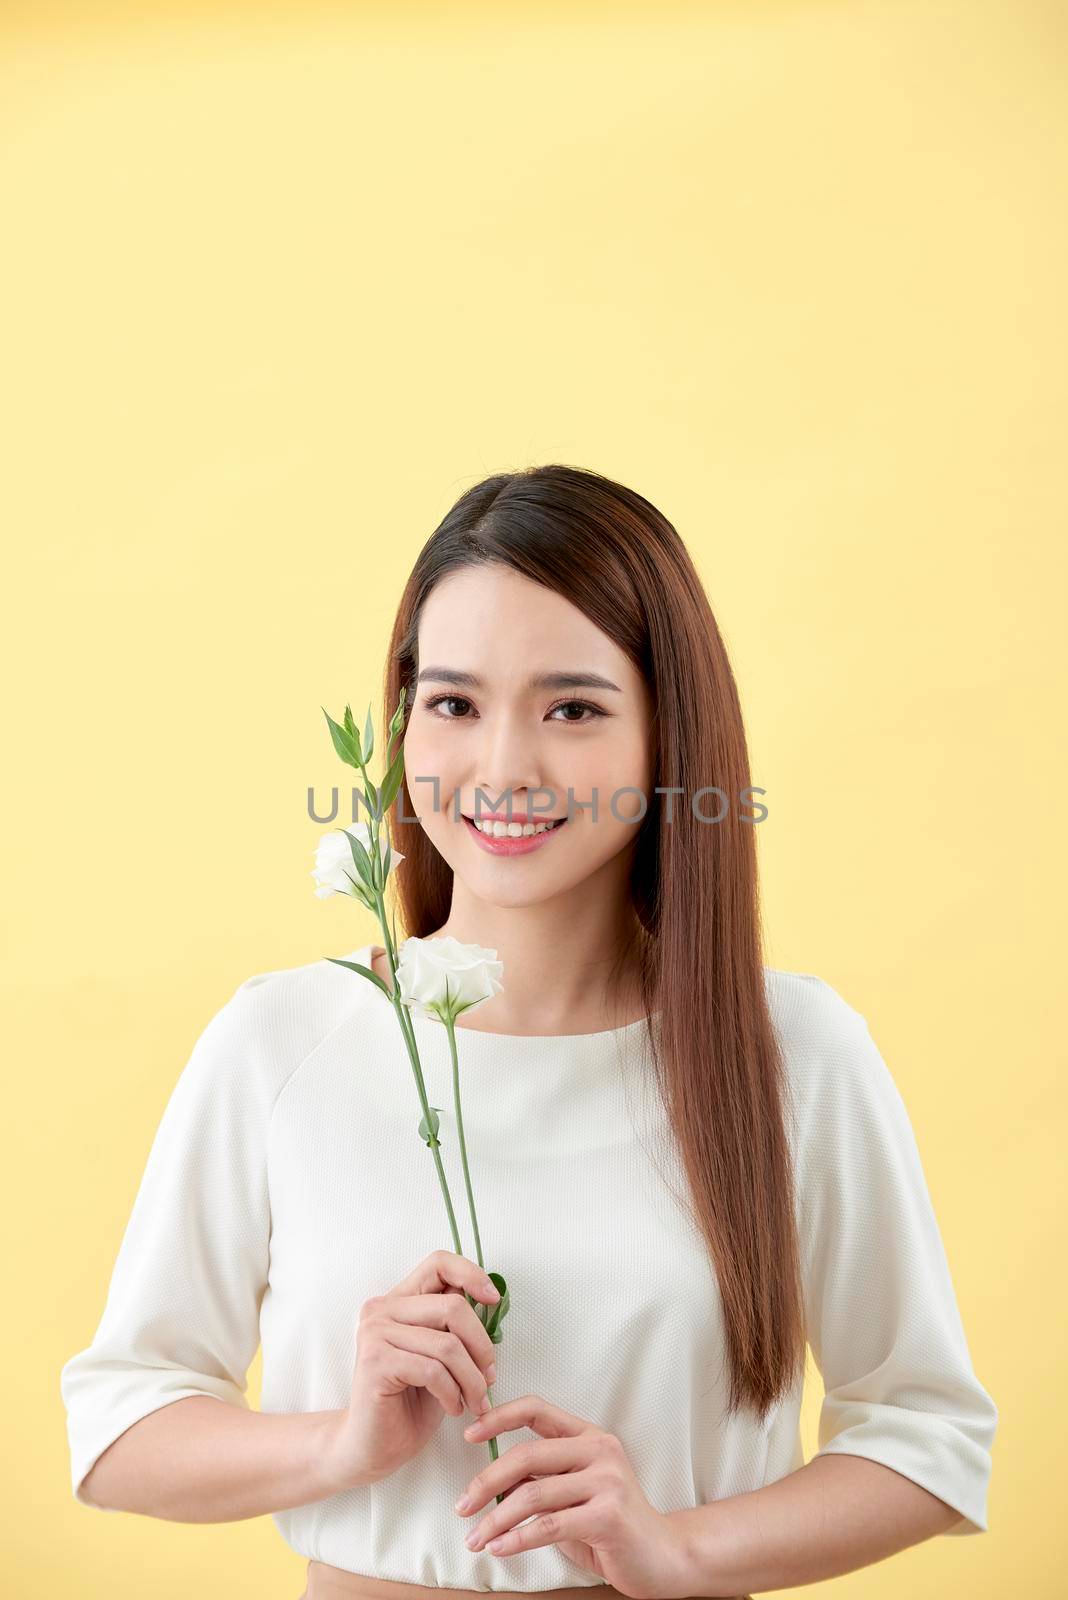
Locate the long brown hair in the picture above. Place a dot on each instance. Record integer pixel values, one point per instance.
(694, 887)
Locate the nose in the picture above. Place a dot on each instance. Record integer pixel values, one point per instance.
(519, 796)
(507, 765)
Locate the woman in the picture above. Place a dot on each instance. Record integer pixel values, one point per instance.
(690, 1163)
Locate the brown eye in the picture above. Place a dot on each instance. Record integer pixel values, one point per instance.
(446, 699)
(582, 705)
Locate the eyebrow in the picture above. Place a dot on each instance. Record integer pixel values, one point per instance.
(541, 680)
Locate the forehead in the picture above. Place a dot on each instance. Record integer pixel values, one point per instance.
(493, 621)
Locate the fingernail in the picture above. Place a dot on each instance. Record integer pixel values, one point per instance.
(484, 1403)
(473, 1428)
(463, 1502)
(491, 1372)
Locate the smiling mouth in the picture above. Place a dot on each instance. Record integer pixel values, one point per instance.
(514, 830)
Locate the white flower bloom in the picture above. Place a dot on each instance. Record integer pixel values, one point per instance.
(440, 978)
(335, 870)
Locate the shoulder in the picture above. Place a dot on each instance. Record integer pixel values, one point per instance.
(832, 1063)
(273, 1021)
(315, 992)
(807, 1012)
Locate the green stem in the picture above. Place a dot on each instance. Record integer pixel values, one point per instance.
(413, 1055)
(451, 1027)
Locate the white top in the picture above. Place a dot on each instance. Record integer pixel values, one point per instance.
(287, 1182)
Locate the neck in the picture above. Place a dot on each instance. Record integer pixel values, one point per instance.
(575, 977)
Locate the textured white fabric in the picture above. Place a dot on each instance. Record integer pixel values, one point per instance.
(287, 1182)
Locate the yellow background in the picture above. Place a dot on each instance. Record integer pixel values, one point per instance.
(279, 282)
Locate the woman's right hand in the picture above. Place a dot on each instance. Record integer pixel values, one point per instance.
(421, 1351)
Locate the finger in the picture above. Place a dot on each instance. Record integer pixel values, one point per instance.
(444, 1269)
(532, 1458)
(549, 1528)
(447, 1348)
(449, 1311)
(531, 1499)
(466, 1324)
(422, 1372)
(530, 1411)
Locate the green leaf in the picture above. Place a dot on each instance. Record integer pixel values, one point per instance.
(368, 739)
(346, 745)
(498, 1312)
(354, 966)
(373, 804)
(429, 1135)
(361, 859)
(392, 782)
(350, 726)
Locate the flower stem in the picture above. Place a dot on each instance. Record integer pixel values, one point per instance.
(413, 1055)
(451, 1027)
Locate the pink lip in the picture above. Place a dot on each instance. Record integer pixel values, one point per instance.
(507, 846)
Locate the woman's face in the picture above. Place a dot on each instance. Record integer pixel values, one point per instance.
(506, 732)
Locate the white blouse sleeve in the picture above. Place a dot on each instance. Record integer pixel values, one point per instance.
(884, 1326)
(182, 1310)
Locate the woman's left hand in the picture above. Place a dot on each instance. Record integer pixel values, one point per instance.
(578, 1484)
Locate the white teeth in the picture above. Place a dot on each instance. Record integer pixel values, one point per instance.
(510, 830)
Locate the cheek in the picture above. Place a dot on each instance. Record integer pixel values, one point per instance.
(426, 759)
(589, 850)
(615, 775)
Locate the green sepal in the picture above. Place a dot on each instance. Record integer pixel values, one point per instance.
(396, 722)
(364, 896)
(498, 1312)
(368, 739)
(429, 1135)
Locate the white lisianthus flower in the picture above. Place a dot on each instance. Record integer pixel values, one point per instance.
(440, 978)
(335, 870)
